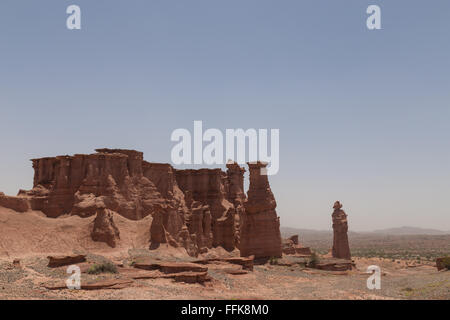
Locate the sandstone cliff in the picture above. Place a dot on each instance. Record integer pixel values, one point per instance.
(194, 209)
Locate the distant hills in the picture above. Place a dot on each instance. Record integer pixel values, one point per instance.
(411, 230)
(288, 231)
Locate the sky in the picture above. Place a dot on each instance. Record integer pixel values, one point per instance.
(363, 114)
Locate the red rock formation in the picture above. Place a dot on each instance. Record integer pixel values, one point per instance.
(208, 186)
(72, 184)
(199, 224)
(58, 261)
(157, 230)
(260, 226)
(443, 263)
(18, 204)
(105, 229)
(195, 209)
(294, 239)
(334, 265)
(236, 195)
(292, 246)
(341, 247)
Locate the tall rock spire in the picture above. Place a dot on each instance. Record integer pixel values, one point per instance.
(260, 226)
(341, 247)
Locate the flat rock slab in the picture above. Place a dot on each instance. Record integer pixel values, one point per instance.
(18, 204)
(171, 267)
(297, 250)
(246, 263)
(235, 271)
(58, 261)
(134, 273)
(335, 265)
(185, 276)
(96, 285)
(190, 277)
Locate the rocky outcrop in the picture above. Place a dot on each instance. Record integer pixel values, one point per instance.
(334, 265)
(245, 262)
(18, 204)
(443, 263)
(105, 229)
(72, 184)
(194, 209)
(236, 195)
(58, 261)
(208, 187)
(169, 267)
(260, 226)
(292, 246)
(93, 285)
(157, 230)
(199, 224)
(341, 248)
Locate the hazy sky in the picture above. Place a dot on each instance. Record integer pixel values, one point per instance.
(363, 115)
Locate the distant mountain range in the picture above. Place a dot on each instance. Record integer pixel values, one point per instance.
(411, 230)
(288, 231)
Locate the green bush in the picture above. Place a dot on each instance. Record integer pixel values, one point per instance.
(313, 260)
(273, 260)
(106, 267)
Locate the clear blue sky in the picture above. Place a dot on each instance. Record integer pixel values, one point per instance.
(363, 115)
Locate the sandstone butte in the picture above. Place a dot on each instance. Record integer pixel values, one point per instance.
(194, 209)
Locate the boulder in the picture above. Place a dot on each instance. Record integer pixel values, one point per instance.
(19, 204)
(443, 263)
(291, 246)
(105, 229)
(62, 260)
(333, 264)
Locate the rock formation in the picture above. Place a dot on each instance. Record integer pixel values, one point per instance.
(14, 203)
(236, 195)
(105, 229)
(260, 226)
(61, 260)
(71, 184)
(194, 209)
(292, 246)
(209, 187)
(341, 247)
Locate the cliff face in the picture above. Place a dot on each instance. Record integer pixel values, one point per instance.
(209, 188)
(196, 209)
(73, 184)
(236, 195)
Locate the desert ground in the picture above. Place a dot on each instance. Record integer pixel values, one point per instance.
(26, 239)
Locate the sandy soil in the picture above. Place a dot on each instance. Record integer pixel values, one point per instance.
(30, 237)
